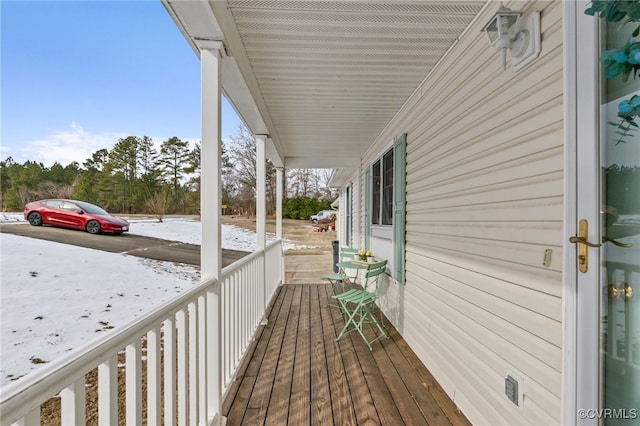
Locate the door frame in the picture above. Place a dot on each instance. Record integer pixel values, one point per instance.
(581, 378)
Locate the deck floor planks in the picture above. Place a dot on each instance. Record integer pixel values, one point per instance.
(383, 400)
(278, 409)
(241, 389)
(341, 403)
(259, 400)
(395, 382)
(439, 396)
(331, 383)
(300, 402)
(320, 396)
(359, 393)
(418, 389)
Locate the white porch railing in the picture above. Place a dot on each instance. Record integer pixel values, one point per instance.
(175, 342)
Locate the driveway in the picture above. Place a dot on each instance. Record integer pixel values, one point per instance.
(134, 245)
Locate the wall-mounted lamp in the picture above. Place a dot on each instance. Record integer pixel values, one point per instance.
(522, 37)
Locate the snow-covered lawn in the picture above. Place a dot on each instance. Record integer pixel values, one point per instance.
(54, 297)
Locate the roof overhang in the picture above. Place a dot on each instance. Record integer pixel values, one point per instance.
(322, 78)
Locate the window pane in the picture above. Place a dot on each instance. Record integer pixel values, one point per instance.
(375, 193)
(387, 188)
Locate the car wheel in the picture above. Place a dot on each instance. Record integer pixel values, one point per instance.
(35, 219)
(93, 227)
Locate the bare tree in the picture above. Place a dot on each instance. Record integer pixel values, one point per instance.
(308, 183)
(159, 203)
(242, 153)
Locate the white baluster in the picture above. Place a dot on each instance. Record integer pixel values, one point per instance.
(153, 376)
(193, 363)
(202, 360)
(133, 383)
(108, 392)
(72, 403)
(183, 363)
(169, 329)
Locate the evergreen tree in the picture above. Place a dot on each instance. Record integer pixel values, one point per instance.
(123, 162)
(173, 162)
(193, 185)
(88, 186)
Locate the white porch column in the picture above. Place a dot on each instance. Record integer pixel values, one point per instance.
(261, 191)
(210, 207)
(279, 194)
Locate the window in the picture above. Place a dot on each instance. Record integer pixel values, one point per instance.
(387, 188)
(382, 190)
(69, 206)
(385, 199)
(375, 193)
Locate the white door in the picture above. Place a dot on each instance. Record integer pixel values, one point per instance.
(607, 229)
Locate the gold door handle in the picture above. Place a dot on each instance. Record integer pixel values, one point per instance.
(581, 240)
(618, 243)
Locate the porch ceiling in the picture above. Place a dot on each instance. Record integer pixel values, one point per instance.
(322, 78)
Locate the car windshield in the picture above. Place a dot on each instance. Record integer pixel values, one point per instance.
(90, 208)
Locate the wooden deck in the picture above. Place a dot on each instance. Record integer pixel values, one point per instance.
(297, 374)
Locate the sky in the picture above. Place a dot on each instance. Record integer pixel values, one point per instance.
(76, 76)
(49, 307)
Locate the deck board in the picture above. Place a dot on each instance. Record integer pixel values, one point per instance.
(297, 373)
(341, 402)
(300, 398)
(278, 410)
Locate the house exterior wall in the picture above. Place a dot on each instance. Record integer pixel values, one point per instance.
(484, 201)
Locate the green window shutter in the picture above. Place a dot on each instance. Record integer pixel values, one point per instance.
(367, 208)
(399, 206)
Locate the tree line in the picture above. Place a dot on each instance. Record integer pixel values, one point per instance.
(135, 177)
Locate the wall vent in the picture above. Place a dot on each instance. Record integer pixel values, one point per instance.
(511, 389)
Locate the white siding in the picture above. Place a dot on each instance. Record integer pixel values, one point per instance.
(484, 202)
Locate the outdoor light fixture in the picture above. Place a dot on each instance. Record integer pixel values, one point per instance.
(505, 31)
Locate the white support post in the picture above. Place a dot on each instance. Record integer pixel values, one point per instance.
(261, 191)
(279, 174)
(261, 208)
(210, 208)
(279, 195)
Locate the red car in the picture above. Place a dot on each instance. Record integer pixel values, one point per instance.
(73, 214)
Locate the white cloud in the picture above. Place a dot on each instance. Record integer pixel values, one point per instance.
(64, 147)
(73, 144)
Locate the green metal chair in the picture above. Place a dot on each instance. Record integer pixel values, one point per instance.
(359, 304)
(346, 275)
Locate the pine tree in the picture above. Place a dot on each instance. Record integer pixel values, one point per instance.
(173, 162)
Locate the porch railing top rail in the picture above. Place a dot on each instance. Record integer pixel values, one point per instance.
(18, 398)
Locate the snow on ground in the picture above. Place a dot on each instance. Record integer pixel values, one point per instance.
(189, 231)
(54, 297)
